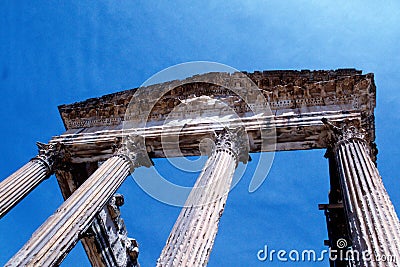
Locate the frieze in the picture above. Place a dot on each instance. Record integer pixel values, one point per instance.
(283, 90)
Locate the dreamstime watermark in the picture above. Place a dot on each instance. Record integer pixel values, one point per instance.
(197, 99)
(343, 253)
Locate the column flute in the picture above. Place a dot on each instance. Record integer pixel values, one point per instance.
(192, 237)
(374, 225)
(52, 241)
(18, 185)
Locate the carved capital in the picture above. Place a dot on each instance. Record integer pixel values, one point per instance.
(348, 130)
(234, 141)
(53, 156)
(133, 149)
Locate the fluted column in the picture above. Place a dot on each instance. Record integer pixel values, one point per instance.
(50, 243)
(19, 184)
(192, 237)
(374, 225)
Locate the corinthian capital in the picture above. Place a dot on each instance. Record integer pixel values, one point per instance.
(133, 149)
(346, 131)
(234, 141)
(52, 155)
(350, 129)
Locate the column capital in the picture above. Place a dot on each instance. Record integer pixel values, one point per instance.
(235, 141)
(344, 131)
(133, 149)
(52, 155)
(347, 130)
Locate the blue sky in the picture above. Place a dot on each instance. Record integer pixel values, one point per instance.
(59, 52)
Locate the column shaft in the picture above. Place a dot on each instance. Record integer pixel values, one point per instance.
(374, 224)
(192, 237)
(14, 188)
(50, 244)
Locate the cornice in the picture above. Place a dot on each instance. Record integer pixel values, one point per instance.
(285, 91)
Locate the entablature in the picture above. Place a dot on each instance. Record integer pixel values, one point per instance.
(297, 100)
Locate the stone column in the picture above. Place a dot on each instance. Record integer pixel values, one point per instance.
(374, 225)
(192, 237)
(14, 188)
(50, 243)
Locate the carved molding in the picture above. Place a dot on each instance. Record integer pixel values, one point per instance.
(293, 132)
(283, 90)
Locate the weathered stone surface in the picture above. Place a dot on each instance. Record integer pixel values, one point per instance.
(52, 241)
(284, 90)
(298, 101)
(106, 242)
(50, 244)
